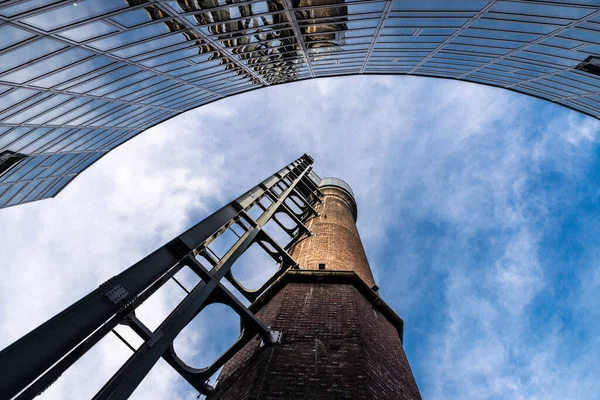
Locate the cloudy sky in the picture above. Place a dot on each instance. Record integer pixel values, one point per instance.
(478, 209)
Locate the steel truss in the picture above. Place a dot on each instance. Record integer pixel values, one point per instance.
(35, 361)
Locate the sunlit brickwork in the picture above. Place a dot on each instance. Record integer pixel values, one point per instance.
(334, 242)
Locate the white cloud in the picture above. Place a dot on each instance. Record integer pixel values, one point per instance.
(518, 275)
(132, 201)
(488, 303)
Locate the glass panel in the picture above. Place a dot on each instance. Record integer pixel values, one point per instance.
(28, 138)
(73, 72)
(66, 167)
(34, 70)
(152, 82)
(137, 96)
(139, 16)
(109, 120)
(28, 52)
(145, 47)
(123, 120)
(25, 6)
(131, 36)
(118, 141)
(87, 163)
(10, 35)
(33, 147)
(538, 48)
(542, 10)
(33, 173)
(105, 79)
(57, 187)
(22, 169)
(503, 35)
(77, 138)
(487, 42)
(13, 97)
(513, 26)
(10, 193)
(74, 12)
(548, 60)
(422, 22)
(593, 49)
(52, 171)
(90, 117)
(24, 104)
(42, 185)
(94, 143)
(9, 137)
(39, 108)
(130, 80)
(88, 31)
(60, 110)
(436, 5)
(580, 34)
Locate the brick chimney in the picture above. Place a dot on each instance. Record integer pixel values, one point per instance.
(335, 244)
(340, 340)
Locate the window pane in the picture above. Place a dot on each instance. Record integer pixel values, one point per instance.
(10, 35)
(88, 31)
(11, 192)
(73, 13)
(8, 138)
(47, 138)
(39, 108)
(43, 185)
(73, 72)
(25, 6)
(61, 184)
(34, 70)
(28, 52)
(11, 98)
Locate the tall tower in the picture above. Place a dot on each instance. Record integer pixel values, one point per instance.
(316, 329)
(340, 341)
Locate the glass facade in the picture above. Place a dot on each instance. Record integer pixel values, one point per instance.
(77, 79)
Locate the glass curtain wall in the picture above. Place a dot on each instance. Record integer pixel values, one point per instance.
(77, 79)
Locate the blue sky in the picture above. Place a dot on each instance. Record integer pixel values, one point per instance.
(477, 208)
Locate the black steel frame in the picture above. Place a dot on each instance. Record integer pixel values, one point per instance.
(35, 361)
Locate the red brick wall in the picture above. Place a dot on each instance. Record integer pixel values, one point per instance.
(335, 241)
(335, 346)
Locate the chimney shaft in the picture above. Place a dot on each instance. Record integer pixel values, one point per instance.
(339, 339)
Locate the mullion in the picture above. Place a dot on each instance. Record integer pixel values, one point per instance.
(34, 30)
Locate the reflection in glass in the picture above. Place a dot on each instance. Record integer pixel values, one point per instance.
(260, 35)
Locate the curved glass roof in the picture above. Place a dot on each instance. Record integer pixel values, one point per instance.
(77, 79)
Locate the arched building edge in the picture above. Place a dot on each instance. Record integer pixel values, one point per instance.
(324, 78)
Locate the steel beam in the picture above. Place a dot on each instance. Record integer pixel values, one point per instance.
(73, 331)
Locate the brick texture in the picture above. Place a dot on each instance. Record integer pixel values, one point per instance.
(336, 344)
(335, 241)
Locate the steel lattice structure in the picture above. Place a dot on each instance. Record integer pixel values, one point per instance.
(77, 79)
(35, 361)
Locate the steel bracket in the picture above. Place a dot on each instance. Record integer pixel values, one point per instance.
(274, 338)
(116, 294)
